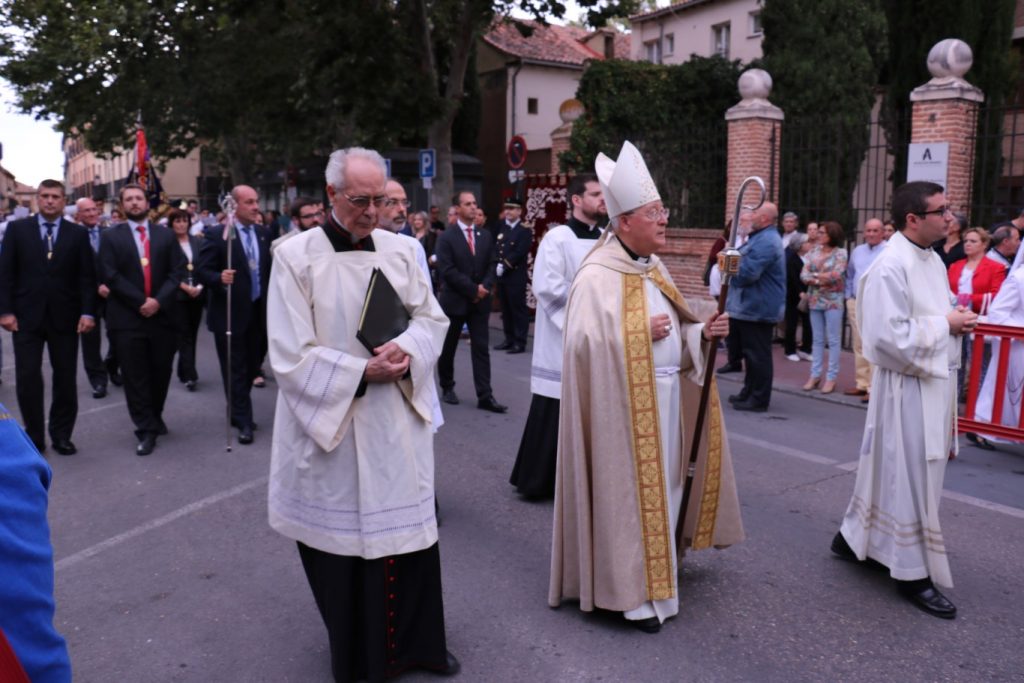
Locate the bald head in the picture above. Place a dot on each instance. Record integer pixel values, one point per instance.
(873, 232)
(767, 214)
(248, 200)
(88, 214)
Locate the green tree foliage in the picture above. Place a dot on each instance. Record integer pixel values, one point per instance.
(915, 26)
(824, 57)
(674, 114)
(260, 82)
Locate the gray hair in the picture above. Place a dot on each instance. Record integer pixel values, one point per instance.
(338, 163)
(790, 214)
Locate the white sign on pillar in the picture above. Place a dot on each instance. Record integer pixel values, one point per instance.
(928, 161)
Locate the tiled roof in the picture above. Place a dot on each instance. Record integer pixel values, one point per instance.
(670, 9)
(547, 43)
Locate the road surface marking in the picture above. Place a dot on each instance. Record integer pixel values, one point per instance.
(81, 555)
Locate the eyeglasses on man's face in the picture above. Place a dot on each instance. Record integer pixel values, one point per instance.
(363, 202)
(404, 203)
(941, 211)
(313, 214)
(653, 213)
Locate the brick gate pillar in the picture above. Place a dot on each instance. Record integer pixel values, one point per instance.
(945, 109)
(755, 138)
(569, 111)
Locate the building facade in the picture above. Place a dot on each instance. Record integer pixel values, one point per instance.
(670, 35)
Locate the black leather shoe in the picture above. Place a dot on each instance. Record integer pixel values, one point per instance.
(927, 597)
(648, 625)
(738, 398)
(146, 445)
(729, 367)
(517, 349)
(490, 404)
(980, 441)
(749, 406)
(190, 385)
(115, 377)
(64, 446)
(503, 346)
(245, 436)
(842, 549)
(451, 666)
(449, 396)
(99, 391)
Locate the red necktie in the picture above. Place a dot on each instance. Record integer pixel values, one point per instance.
(147, 274)
(469, 238)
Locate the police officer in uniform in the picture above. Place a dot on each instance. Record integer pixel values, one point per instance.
(513, 248)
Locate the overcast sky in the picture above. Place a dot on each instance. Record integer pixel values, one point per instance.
(32, 149)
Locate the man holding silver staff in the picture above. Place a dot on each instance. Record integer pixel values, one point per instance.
(621, 471)
(352, 460)
(248, 277)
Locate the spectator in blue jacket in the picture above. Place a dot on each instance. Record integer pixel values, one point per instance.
(757, 301)
(26, 558)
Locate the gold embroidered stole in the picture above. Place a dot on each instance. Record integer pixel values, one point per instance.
(650, 471)
(650, 475)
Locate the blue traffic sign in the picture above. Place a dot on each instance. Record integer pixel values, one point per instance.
(428, 163)
(387, 166)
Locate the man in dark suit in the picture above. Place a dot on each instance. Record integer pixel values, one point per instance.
(142, 265)
(248, 278)
(465, 260)
(47, 298)
(88, 216)
(514, 242)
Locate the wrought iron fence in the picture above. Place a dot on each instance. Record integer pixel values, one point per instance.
(689, 167)
(998, 188)
(837, 169)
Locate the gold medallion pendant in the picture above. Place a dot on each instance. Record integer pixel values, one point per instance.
(144, 261)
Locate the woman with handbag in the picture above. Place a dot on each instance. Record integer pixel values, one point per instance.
(824, 273)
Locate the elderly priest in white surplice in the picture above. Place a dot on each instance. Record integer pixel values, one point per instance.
(352, 465)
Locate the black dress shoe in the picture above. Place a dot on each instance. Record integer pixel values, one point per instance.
(749, 406)
(928, 598)
(115, 377)
(738, 398)
(490, 404)
(451, 666)
(64, 446)
(980, 441)
(648, 625)
(449, 396)
(517, 349)
(190, 385)
(841, 548)
(729, 367)
(503, 346)
(99, 391)
(245, 436)
(146, 444)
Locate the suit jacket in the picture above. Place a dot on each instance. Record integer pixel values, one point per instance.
(121, 271)
(513, 252)
(213, 259)
(196, 242)
(43, 292)
(461, 270)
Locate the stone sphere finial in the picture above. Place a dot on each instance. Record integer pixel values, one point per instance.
(951, 57)
(570, 110)
(755, 84)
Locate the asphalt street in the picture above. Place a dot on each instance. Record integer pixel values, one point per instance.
(166, 569)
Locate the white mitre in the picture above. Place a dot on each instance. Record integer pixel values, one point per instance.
(626, 183)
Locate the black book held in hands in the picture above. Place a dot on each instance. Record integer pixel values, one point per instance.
(384, 316)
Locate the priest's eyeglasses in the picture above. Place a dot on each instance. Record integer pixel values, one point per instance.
(654, 214)
(363, 202)
(941, 211)
(404, 203)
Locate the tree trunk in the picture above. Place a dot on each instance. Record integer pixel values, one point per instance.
(439, 137)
